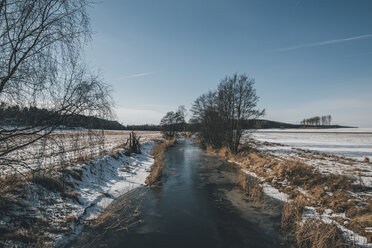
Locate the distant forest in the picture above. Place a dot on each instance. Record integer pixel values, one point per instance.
(324, 120)
(32, 116)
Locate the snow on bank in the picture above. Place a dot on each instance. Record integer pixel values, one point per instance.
(89, 188)
(268, 189)
(307, 147)
(70, 145)
(311, 214)
(115, 176)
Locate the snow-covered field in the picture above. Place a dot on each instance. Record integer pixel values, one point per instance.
(329, 151)
(65, 146)
(348, 142)
(335, 151)
(89, 186)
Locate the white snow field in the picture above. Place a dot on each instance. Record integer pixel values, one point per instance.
(348, 142)
(70, 145)
(330, 151)
(336, 151)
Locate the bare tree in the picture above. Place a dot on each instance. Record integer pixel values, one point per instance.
(329, 119)
(221, 114)
(40, 66)
(237, 102)
(78, 92)
(35, 37)
(208, 119)
(174, 122)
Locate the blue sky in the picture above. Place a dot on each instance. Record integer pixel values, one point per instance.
(308, 57)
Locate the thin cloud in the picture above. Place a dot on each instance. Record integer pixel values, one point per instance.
(135, 75)
(327, 42)
(298, 3)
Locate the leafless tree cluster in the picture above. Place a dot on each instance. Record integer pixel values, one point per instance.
(221, 113)
(174, 122)
(324, 120)
(40, 66)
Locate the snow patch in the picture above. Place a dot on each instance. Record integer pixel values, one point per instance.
(268, 189)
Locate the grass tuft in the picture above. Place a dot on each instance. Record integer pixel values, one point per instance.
(317, 234)
(158, 152)
(51, 183)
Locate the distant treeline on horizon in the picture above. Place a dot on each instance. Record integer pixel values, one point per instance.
(14, 115)
(324, 120)
(31, 116)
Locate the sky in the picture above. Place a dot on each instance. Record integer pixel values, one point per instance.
(308, 57)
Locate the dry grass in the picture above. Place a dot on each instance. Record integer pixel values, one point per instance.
(30, 234)
(12, 192)
(24, 235)
(121, 216)
(72, 195)
(361, 219)
(158, 152)
(251, 187)
(317, 234)
(51, 183)
(77, 174)
(291, 215)
(16, 190)
(311, 233)
(324, 191)
(70, 218)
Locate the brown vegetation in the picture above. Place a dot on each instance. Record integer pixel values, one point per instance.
(323, 191)
(251, 187)
(112, 219)
(309, 233)
(361, 219)
(317, 234)
(291, 215)
(158, 152)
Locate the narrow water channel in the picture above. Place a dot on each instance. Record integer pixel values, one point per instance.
(197, 204)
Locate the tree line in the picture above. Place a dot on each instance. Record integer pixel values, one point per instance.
(219, 116)
(324, 120)
(15, 116)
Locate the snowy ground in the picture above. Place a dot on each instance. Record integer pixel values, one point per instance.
(349, 142)
(94, 184)
(329, 151)
(65, 146)
(112, 177)
(350, 147)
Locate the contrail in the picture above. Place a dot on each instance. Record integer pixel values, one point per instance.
(135, 75)
(327, 42)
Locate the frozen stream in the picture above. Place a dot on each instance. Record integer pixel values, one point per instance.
(197, 204)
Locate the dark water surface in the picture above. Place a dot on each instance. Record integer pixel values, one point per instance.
(197, 204)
